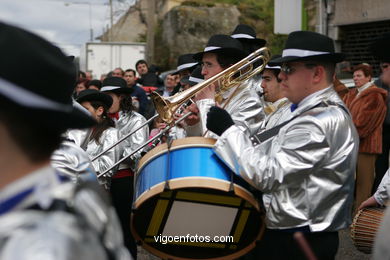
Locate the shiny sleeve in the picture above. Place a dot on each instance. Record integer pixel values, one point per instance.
(105, 161)
(382, 193)
(137, 139)
(268, 166)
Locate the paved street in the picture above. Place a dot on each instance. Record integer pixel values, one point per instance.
(347, 250)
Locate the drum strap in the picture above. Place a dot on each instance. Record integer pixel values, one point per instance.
(263, 136)
(169, 144)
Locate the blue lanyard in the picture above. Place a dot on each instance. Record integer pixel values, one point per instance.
(11, 202)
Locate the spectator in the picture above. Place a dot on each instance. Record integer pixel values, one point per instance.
(138, 92)
(367, 104)
(94, 84)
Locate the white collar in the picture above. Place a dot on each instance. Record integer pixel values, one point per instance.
(364, 87)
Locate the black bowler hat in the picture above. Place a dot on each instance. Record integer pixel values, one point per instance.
(185, 62)
(34, 92)
(94, 95)
(195, 78)
(245, 33)
(117, 85)
(380, 48)
(221, 43)
(305, 45)
(271, 65)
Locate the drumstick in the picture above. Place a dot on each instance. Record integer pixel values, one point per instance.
(298, 236)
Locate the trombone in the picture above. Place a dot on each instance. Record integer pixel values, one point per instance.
(230, 77)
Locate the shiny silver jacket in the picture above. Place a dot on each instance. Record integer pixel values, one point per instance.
(104, 162)
(244, 108)
(279, 113)
(87, 232)
(382, 193)
(73, 162)
(126, 123)
(308, 167)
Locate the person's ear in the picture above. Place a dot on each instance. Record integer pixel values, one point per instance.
(99, 111)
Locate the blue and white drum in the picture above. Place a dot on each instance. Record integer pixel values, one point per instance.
(189, 205)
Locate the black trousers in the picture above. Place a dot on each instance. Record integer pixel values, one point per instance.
(280, 245)
(122, 199)
(382, 161)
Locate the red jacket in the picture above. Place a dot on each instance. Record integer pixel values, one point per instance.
(368, 111)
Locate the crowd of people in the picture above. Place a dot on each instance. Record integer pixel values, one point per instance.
(316, 150)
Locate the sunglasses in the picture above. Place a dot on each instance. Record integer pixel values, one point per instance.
(288, 69)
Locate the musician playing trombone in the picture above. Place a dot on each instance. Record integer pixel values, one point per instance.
(306, 164)
(221, 52)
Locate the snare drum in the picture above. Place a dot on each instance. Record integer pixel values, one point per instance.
(364, 228)
(186, 199)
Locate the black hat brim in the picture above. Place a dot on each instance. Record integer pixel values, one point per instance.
(333, 57)
(125, 90)
(231, 51)
(188, 68)
(96, 96)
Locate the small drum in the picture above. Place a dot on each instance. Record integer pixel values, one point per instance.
(364, 228)
(190, 205)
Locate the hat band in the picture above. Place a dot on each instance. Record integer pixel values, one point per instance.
(302, 53)
(242, 35)
(186, 65)
(108, 88)
(197, 80)
(272, 67)
(211, 48)
(27, 98)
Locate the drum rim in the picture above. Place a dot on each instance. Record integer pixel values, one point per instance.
(179, 183)
(202, 182)
(188, 142)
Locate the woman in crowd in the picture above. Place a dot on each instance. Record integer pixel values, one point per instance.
(367, 104)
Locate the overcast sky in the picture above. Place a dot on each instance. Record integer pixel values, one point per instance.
(66, 23)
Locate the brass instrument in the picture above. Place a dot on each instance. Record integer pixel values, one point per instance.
(228, 78)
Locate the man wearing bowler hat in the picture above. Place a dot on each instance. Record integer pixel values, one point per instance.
(306, 164)
(42, 214)
(221, 52)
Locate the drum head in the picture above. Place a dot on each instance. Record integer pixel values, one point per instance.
(184, 223)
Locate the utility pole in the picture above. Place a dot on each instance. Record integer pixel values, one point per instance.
(111, 21)
(151, 23)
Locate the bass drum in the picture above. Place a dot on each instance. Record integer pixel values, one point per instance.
(189, 205)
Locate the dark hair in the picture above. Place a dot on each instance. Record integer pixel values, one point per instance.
(141, 62)
(29, 129)
(367, 69)
(106, 122)
(131, 70)
(276, 73)
(95, 82)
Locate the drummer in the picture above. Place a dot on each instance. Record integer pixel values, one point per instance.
(221, 52)
(306, 164)
(380, 49)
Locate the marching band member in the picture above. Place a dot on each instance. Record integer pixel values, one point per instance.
(307, 163)
(103, 135)
(126, 121)
(43, 215)
(221, 52)
(278, 109)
